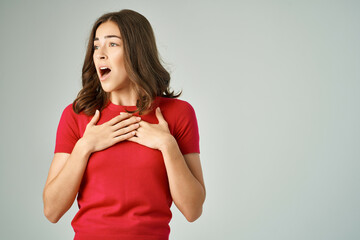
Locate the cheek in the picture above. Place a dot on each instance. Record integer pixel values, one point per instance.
(120, 70)
(119, 61)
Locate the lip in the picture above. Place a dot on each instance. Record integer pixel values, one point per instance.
(101, 77)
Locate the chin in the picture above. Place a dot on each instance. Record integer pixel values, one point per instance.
(107, 87)
(107, 90)
(114, 87)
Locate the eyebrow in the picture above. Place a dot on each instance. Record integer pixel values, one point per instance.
(107, 36)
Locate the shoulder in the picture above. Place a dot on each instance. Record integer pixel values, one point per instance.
(175, 105)
(68, 110)
(178, 111)
(69, 113)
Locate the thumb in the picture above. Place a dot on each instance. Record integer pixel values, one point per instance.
(95, 118)
(159, 115)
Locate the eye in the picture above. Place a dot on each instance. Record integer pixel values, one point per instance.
(111, 44)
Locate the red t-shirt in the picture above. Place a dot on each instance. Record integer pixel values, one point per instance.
(124, 193)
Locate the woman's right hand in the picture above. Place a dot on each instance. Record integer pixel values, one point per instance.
(119, 128)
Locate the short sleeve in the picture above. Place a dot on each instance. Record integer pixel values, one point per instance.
(67, 132)
(187, 130)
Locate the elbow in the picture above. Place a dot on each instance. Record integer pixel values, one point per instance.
(53, 220)
(193, 215)
(51, 216)
(194, 212)
(50, 213)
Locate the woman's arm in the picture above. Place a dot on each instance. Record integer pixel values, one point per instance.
(66, 170)
(184, 171)
(185, 179)
(63, 182)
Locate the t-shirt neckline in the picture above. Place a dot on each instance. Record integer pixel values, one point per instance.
(122, 108)
(116, 107)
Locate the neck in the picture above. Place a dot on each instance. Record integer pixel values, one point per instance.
(124, 98)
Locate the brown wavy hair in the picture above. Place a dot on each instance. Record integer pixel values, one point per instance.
(142, 64)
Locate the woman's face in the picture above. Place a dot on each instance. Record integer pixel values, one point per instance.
(109, 58)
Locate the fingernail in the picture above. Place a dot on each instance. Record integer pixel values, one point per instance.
(138, 118)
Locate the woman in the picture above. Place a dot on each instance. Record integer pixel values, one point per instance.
(126, 145)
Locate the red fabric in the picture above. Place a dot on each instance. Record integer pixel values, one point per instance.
(124, 192)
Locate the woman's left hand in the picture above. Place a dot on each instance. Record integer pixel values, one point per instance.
(152, 135)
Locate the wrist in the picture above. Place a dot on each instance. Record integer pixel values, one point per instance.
(85, 147)
(167, 142)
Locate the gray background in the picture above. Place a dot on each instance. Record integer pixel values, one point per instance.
(275, 86)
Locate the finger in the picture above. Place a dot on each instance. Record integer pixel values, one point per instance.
(118, 118)
(126, 129)
(123, 137)
(95, 118)
(143, 123)
(159, 115)
(134, 139)
(126, 122)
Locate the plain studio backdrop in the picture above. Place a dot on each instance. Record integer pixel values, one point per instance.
(275, 87)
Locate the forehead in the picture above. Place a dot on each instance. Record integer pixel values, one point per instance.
(105, 29)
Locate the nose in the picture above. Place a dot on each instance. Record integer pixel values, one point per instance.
(100, 54)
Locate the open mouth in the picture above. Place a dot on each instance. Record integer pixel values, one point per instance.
(104, 71)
